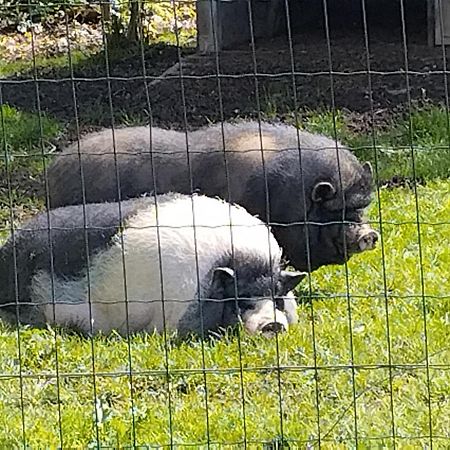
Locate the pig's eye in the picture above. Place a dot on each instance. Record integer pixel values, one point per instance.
(279, 303)
(247, 306)
(354, 215)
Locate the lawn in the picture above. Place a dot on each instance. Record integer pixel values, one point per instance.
(367, 364)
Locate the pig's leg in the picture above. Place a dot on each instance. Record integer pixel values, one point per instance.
(288, 305)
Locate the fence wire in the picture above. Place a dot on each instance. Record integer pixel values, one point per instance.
(300, 388)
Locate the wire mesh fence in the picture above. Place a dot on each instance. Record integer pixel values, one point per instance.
(116, 149)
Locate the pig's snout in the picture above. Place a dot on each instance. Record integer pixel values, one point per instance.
(272, 328)
(266, 321)
(367, 240)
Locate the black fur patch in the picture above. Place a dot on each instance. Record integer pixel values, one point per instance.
(72, 242)
(254, 280)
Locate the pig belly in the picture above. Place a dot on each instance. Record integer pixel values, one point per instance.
(103, 308)
(142, 316)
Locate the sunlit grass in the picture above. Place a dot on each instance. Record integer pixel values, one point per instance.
(359, 364)
(27, 65)
(415, 145)
(386, 298)
(24, 149)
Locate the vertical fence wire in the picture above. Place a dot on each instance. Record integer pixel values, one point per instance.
(121, 228)
(49, 227)
(418, 224)
(158, 239)
(49, 223)
(267, 203)
(444, 71)
(191, 186)
(344, 237)
(305, 218)
(445, 75)
(12, 230)
(228, 189)
(85, 233)
(380, 219)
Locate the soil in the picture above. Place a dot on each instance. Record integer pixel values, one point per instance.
(323, 78)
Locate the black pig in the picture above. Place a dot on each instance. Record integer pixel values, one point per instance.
(330, 189)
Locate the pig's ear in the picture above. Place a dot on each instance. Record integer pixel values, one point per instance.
(323, 191)
(222, 282)
(368, 171)
(289, 280)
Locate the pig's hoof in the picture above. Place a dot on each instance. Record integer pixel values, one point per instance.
(368, 241)
(272, 328)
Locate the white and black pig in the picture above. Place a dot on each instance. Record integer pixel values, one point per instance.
(155, 268)
(337, 188)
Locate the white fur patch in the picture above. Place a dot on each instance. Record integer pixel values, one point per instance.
(142, 266)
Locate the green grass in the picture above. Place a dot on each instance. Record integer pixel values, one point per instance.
(9, 68)
(380, 291)
(22, 132)
(422, 138)
(371, 307)
(24, 137)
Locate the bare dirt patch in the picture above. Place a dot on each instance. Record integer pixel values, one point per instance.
(244, 82)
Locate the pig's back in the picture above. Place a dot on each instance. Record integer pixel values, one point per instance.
(92, 169)
(206, 171)
(250, 147)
